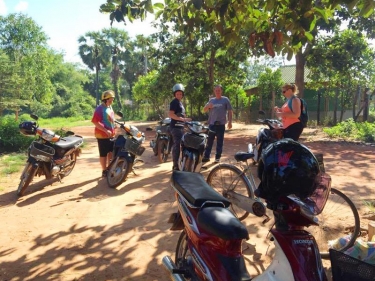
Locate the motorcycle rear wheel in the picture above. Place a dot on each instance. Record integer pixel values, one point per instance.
(189, 163)
(162, 151)
(118, 170)
(73, 159)
(26, 178)
(184, 259)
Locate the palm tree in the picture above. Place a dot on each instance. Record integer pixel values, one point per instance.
(95, 53)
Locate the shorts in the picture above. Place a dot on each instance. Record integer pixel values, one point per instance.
(105, 146)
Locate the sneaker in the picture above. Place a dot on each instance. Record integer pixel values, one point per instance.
(104, 173)
(205, 160)
(217, 160)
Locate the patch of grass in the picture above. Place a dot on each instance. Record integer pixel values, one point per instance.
(370, 205)
(12, 163)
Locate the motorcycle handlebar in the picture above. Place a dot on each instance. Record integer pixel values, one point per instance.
(271, 123)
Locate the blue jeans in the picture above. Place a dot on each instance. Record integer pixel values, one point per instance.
(219, 134)
(176, 133)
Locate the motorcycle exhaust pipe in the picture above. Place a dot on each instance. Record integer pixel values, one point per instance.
(170, 266)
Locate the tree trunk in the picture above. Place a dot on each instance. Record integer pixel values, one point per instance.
(97, 86)
(335, 107)
(300, 72)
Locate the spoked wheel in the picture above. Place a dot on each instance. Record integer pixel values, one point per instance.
(224, 178)
(117, 172)
(339, 219)
(163, 151)
(184, 259)
(69, 168)
(26, 178)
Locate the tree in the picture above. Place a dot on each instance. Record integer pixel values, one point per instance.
(95, 52)
(285, 27)
(23, 41)
(342, 64)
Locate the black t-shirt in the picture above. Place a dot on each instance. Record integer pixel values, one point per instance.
(177, 107)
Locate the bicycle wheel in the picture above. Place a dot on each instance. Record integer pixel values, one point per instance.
(338, 219)
(226, 177)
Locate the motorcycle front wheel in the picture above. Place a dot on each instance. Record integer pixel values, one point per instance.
(118, 170)
(183, 259)
(26, 178)
(162, 151)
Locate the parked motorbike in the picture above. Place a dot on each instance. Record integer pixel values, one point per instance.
(193, 144)
(162, 144)
(266, 136)
(126, 150)
(50, 154)
(210, 244)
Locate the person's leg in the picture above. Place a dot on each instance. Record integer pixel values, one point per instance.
(176, 135)
(105, 153)
(210, 142)
(293, 131)
(220, 130)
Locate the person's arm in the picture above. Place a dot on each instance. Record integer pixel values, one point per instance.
(230, 115)
(207, 107)
(100, 127)
(173, 115)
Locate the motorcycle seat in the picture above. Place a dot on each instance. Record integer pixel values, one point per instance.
(222, 223)
(69, 142)
(243, 156)
(195, 190)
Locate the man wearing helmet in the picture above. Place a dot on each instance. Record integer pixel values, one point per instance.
(178, 117)
(103, 120)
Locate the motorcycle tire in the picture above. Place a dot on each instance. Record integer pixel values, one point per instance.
(188, 164)
(118, 170)
(183, 258)
(26, 178)
(162, 151)
(67, 171)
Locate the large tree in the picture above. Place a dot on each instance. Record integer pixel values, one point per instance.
(285, 27)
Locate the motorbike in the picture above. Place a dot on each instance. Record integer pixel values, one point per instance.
(265, 136)
(193, 144)
(126, 152)
(210, 244)
(49, 154)
(162, 144)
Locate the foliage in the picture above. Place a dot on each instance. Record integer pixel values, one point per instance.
(282, 26)
(352, 130)
(346, 61)
(270, 82)
(11, 139)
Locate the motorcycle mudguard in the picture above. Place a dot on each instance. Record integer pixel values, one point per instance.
(302, 252)
(126, 155)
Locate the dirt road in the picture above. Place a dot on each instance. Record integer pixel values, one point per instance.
(82, 230)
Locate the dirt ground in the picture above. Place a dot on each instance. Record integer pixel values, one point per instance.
(82, 230)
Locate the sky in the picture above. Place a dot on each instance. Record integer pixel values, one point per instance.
(64, 21)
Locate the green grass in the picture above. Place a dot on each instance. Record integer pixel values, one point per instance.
(65, 123)
(12, 163)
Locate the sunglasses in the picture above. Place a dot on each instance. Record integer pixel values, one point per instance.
(285, 91)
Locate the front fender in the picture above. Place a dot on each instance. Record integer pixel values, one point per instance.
(126, 155)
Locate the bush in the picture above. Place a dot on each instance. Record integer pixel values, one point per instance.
(11, 139)
(352, 130)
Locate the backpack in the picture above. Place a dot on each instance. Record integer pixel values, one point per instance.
(304, 117)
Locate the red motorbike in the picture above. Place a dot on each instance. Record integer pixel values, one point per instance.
(210, 245)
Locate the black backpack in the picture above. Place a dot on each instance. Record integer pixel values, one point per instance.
(304, 117)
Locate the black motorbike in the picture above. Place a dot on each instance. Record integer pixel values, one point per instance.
(127, 148)
(193, 144)
(163, 142)
(49, 155)
(272, 133)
